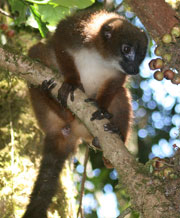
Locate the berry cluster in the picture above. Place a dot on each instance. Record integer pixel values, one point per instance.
(165, 66)
(5, 29)
(163, 169)
(167, 168)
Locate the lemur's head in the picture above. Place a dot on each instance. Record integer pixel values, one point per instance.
(123, 42)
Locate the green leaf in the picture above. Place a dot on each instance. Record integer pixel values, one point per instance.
(74, 3)
(41, 25)
(18, 7)
(52, 14)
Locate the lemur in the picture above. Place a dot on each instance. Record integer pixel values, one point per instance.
(94, 51)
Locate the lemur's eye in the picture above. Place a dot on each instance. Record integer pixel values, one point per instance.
(128, 52)
(126, 49)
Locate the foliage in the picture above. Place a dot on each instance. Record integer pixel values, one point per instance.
(47, 12)
(19, 136)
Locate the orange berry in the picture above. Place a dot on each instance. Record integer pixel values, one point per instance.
(175, 31)
(158, 51)
(169, 74)
(4, 27)
(151, 64)
(10, 33)
(158, 75)
(176, 80)
(158, 63)
(167, 57)
(167, 38)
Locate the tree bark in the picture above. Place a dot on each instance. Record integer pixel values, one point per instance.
(157, 16)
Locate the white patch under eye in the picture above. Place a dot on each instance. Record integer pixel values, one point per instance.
(93, 69)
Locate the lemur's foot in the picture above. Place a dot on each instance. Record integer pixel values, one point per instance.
(110, 127)
(101, 114)
(48, 85)
(65, 90)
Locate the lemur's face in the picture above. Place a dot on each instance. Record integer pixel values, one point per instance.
(125, 43)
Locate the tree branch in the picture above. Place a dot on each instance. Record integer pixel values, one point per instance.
(35, 73)
(146, 197)
(5, 13)
(156, 15)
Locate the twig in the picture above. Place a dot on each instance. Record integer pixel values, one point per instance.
(5, 13)
(105, 3)
(80, 210)
(117, 7)
(125, 212)
(108, 4)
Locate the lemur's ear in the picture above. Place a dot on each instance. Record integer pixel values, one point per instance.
(107, 31)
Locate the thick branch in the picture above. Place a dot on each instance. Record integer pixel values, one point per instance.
(147, 200)
(36, 73)
(156, 15)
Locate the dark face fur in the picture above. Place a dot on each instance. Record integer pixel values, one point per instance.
(126, 43)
